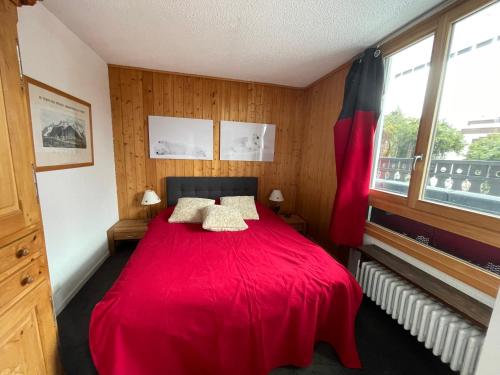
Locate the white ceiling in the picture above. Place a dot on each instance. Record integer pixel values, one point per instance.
(289, 42)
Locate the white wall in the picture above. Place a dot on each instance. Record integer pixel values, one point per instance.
(78, 205)
(489, 362)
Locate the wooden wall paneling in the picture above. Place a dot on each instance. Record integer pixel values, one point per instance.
(168, 110)
(179, 112)
(315, 164)
(136, 94)
(163, 95)
(139, 143)
(292, 160)
(317, 179)
(327, 158)
(234, 92)
(243, 168)
(251, 169)
(197, 113)
(303, 172)
(280, 150)
(118, 144)
(225, 96)
(266, 168)
(148, 109)
(285, 173)
(208, 94)
(130, 182)
(325, 169)
(215, 100)
(222, 88)
(276, 118)
(237, 113)
(259, 115)
(296, 151)
(188, 112)
(157, 110)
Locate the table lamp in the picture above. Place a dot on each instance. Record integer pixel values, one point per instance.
(149, 198)
(276, 198)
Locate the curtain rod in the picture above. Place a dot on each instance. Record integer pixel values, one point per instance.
(414, 21)
(407, 26)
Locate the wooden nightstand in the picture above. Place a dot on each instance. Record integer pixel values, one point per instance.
(130, 229)
(296, 222)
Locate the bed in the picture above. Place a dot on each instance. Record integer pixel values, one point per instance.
(192, 302)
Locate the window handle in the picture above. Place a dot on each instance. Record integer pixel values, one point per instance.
(416, 158)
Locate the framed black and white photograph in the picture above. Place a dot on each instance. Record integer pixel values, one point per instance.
(62, 128)
(247, 141)
(180, 138)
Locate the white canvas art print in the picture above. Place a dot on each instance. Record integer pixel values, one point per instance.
(247, 141)
(180, 138)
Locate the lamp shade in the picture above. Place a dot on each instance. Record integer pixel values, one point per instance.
(150, 197)
(276, 196)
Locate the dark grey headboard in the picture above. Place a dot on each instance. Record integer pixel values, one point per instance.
(209, 187)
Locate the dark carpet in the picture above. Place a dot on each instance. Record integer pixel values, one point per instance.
(385, 348)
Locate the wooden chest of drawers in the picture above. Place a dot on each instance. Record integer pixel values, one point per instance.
(27, 323)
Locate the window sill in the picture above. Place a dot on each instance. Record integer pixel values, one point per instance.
(449, 219)
(474, 276)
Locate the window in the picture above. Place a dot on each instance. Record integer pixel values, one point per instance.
(437, 146)
(464, 168)
(406, 81)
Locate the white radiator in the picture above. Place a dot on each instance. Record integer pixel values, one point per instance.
(449, 335)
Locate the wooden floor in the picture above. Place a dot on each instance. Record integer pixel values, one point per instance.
(385, 348)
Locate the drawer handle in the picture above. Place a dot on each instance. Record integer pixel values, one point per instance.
(27, 280)
(22, 253)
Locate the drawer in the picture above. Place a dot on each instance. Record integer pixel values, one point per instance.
(135, 235)
(17, 252)
(21, 281)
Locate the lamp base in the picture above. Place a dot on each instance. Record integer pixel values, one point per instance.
(276, 209)
(149, 214)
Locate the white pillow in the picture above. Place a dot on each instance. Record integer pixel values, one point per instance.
(244, 204)
(222, 219)
(188, 210)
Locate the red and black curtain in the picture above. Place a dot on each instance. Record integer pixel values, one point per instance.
(353, 139)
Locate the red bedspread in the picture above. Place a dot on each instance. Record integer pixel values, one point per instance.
(196, 302)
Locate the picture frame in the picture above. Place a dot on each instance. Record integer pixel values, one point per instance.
(180, 138)
(61, 127)
(247, 141)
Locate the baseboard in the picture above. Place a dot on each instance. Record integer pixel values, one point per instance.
(60, 307)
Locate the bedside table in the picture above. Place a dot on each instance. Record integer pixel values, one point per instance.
(129, 229)
(296, 222)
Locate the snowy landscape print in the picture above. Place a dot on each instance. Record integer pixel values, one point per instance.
(247, 141)
(180, 138)
(62, 131)
(62, 128)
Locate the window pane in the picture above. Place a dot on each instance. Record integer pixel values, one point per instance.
(464, 169)
(404, 91)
